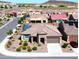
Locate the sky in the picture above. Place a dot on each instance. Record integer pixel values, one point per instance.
(33, 1)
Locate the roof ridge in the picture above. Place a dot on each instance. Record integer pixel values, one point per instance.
(53, 30)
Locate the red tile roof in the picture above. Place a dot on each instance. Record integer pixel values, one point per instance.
(58, 16)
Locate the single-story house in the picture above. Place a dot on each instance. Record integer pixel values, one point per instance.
(13, 13)
(39, 18)
(75, 15)
(40, 33)
(72, 32)
(55, 17)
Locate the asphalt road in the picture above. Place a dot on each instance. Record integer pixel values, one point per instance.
(6, 57)
(12, 25)
(9, 26)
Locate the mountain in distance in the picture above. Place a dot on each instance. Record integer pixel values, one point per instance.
(59, 2)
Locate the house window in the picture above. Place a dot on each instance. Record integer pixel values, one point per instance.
(42, 40)
(35, 39)
(32, 21)
(44, 21)
(39, 21)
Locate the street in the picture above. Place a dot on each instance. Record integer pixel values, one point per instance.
(8, 27)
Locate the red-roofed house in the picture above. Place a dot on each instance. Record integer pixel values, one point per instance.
(13, 13)
(55, 17)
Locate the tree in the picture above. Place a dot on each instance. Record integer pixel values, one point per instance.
(45, 6)
(24, 17)
(62, 6)
(23, 5)
(0, 19)
(71, 17)
(21, 19)
(10, 6)
(40, 6)
(71, 20)
(6, 7)
(19, 5)
(61, 27)
(1, 6)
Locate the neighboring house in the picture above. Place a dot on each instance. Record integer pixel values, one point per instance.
(72, 32)
(55, 17)
(38, 18)
(71, 6)
(41, 33)
(13, 13)
(75, 15)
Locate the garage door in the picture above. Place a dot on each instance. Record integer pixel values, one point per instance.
(53, 40)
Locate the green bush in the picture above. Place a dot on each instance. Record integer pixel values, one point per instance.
(25, 44)
(39, 44)
(34, 48)
(24, 47)
(19, 21)
(29, 49)
(18, 49)
(64, 45)
(62, 6)
(6, 7)
(9, 32)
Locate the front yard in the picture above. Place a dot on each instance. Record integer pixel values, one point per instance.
(16, 45)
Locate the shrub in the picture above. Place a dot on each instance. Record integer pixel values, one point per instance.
(29, 49)
(25, 44)
(9, 43)
(34, 48)
(64, 45)
(39, 44)
(24, 47)
(9, 32)
(18, 49)
(19, 21)
(8, 46)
